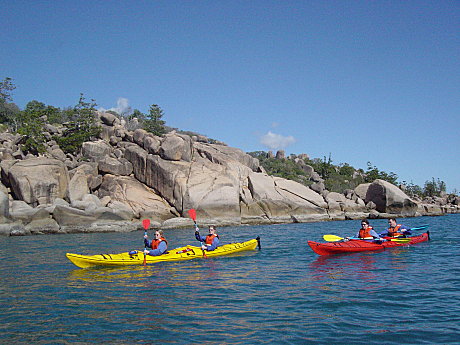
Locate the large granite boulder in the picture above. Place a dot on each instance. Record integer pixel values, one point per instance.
(43, 226)
(78, 186)
(96, 150)
(138, 158)
(390, 199)
(4, 207)
(152, 144)
(361, 190)
(66, 216)
(212, 189)
(140, 199)
(21, 211)
(175, 148)
(108, 118)
(279, 200)
(5, 166)
(13, 229)
(39, 180)
(115, 166)
(225, 155)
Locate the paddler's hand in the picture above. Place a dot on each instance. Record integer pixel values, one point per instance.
(146, 251)
(146, 236)
(203, 247)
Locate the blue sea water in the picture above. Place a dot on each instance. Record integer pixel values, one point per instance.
(283, 294)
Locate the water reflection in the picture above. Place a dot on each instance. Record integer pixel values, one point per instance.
(170, 273)
(340, 265)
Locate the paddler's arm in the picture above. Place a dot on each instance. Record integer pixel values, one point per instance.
(160, 250)
(374, 234)
(198, 237)
(405, 230)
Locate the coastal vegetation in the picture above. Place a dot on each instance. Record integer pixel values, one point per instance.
(339, 177)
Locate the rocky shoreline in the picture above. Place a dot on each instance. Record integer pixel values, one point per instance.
(125, 176)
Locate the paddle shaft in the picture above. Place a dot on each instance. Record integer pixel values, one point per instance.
(145, 224)
(401, 240)
(334, 238)
(192, 214)
(421, 227)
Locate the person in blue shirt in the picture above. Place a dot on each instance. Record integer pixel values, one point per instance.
(395, 229)
(209, 242)
(159, 245)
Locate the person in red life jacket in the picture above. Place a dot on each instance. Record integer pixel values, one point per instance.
(367, 232)
(159, 245)
(395, 229)
(209, 242)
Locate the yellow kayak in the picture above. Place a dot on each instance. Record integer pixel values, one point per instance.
(136, 257)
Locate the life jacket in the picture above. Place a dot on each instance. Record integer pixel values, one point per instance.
(210, 238)
(394, 231)
(155, 243)
(365, 233)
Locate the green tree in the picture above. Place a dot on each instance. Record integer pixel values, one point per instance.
(136, 114)
(413, 189)
(323, 167)
(52, 114)
(346, 170)
(30, 124)
(153, 122)
(8, 111)
(434, 187)
(6, 87)
(81, 127)
(373, 173)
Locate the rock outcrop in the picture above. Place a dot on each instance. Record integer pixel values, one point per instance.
(125, 176)
(390, 199)
(38, 180)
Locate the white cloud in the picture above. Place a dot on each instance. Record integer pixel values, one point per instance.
(276, 141)
(122, 107)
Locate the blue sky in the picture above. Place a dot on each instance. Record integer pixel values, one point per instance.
(363, 81)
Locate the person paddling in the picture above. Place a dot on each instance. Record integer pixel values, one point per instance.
(367, 232)
(395, 229)
(211, 241)
(159, 245)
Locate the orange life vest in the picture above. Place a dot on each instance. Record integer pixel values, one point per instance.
(155, 243)
(393, 231)
(210, 238)
(365, 233)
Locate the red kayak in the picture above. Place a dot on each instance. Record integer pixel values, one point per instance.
(353, 246)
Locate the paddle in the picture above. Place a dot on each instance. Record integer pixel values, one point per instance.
(145, 224)
(192, 214)
(334, 238)
(421, 227)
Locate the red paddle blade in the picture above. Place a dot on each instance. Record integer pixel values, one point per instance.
(192, 214)
(146, 223)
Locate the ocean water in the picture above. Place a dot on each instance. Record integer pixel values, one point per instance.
(283, 294)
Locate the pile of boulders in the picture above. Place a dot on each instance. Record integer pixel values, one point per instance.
(125, 176)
